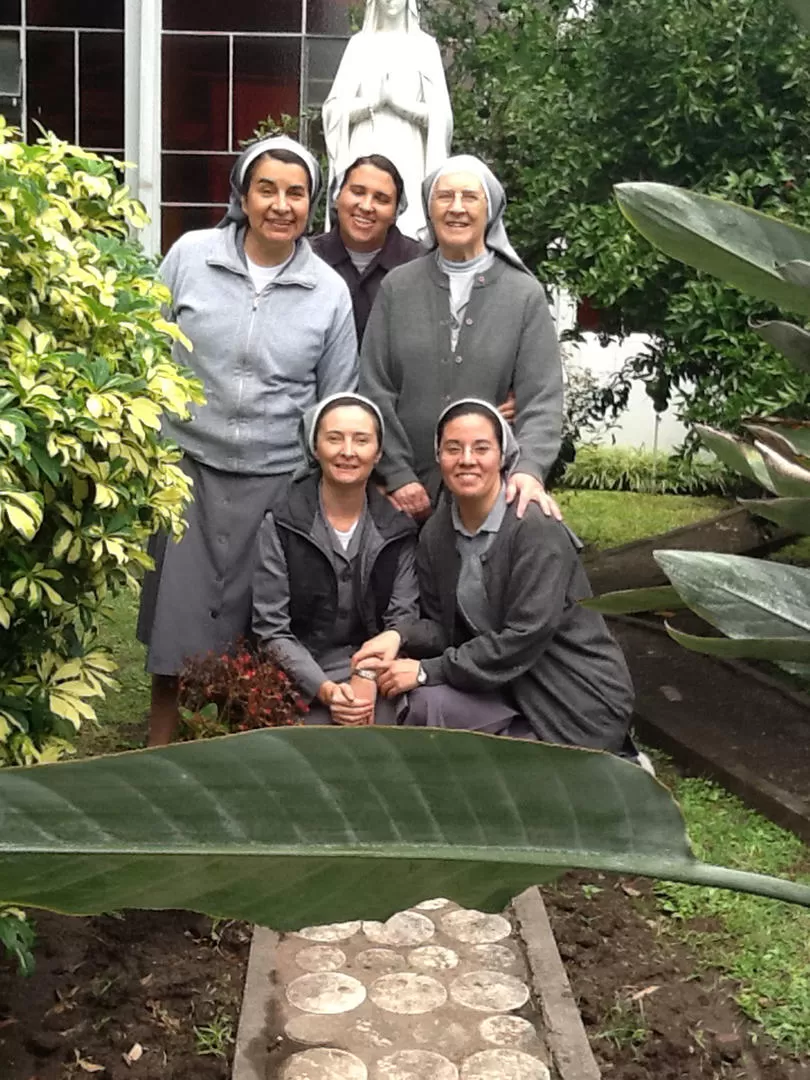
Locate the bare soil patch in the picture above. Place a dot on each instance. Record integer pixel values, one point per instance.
(104, 984)
(652, 1011)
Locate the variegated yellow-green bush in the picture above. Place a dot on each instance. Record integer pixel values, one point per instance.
(85, 476)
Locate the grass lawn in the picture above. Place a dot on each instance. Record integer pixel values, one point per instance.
(611, 518)
(763, 944)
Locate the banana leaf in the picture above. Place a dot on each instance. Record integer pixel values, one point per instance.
(628, 601)
(300, 825)
(742, 597)
(775, 648)
(789, 513)
(736, 453)
(750, 250)
(792, 341)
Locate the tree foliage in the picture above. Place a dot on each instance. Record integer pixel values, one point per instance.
(85, 477)
(706, 94)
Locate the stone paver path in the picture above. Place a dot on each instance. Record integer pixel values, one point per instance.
(435, 993)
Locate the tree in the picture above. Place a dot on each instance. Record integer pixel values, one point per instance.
(706, 94)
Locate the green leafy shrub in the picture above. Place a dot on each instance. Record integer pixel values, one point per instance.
(85, 476)
(625, 468)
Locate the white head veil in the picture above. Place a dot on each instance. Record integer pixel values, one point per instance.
(371, 19)
(255, 150)
(495, 237)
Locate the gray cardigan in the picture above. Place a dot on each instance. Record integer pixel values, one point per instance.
(567, 675)
(263, 358)
(507, 342)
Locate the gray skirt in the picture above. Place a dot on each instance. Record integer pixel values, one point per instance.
(198, 598)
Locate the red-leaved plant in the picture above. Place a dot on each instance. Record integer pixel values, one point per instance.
(236, 691)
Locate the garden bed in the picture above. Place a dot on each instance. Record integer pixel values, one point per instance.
(651, 1008)
(167, 982)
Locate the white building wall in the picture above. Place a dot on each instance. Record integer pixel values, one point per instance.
(639, 425)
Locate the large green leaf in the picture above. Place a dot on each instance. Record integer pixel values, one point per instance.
(790, 513)
(788, 478)
(773, 648)
(302, 825)
(736, 453)
(792, 341)
(787, 437)
(627, 601)
(738, 245)
(741, 596)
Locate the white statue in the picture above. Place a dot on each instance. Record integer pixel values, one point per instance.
(390, 97)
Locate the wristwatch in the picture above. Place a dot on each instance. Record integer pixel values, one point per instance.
(421, 676)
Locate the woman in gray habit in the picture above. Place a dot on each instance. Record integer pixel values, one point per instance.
(466, 319)
(336, 563)
(273, 333)
(504, 645)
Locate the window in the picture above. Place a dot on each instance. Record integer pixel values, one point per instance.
(266, 79)
(101, 91)
(247, 16)
(195, 93)
(9, 12)
(10, 77)
(328, 16)
(50, 88)
(103, 14)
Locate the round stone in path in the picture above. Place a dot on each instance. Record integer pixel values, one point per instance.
(310, 1030)
(320, 958)
(406, 993)
(415, 1065)
(326, 992)
(338, 931)
(380, 960)
(475, 927)
(404, 928)
(489, 991)
(433, 905)
(433, 958)
(508, 1031)
(503, 1065)
(325, 1063)
(499, 957)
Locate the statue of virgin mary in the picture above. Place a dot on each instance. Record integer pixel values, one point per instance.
(390, 97)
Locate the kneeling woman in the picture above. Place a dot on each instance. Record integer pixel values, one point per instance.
(336, 563)
(506, 648)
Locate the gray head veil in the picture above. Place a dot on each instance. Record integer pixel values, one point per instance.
(309, 423)
(510, 451)
(495, 236)
(235, 212)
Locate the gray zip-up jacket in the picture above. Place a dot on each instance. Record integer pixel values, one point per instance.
(566, 674)
(263, 358)
(410, 370)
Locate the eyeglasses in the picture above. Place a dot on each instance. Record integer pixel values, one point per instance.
(456, 450)
(468, 198)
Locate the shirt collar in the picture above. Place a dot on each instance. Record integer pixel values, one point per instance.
(491, 523)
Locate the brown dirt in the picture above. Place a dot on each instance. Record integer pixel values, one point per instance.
(651, 1009)
(103, 984)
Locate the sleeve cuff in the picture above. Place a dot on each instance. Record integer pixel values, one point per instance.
(399, 478)
(434, 669)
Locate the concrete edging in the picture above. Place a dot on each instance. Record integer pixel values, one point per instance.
(565, 1033)
(251, 1053)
